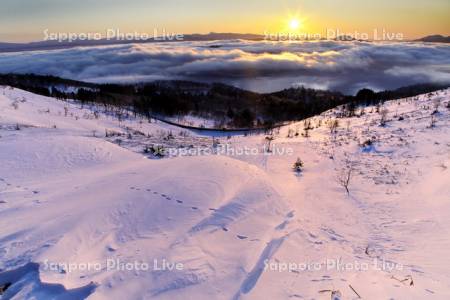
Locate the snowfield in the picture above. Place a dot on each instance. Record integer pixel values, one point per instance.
(89, 216)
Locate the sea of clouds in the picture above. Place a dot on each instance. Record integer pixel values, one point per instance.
(260, 66)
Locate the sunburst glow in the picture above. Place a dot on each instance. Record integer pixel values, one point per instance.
(294, 24)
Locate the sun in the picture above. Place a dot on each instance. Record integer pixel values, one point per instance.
(294, 24)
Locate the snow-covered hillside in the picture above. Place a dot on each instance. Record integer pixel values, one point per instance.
(84, 212)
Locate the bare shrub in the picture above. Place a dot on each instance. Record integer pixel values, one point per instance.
(15, 105)
(344, 176)
(384, 114)
(333, 125)
(291, 133)
(436, 104)
(268, 143)
(433, 121)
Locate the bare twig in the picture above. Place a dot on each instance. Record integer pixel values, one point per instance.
(354, 291)
(406, 279)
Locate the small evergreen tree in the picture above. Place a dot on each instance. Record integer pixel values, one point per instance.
(298, 165)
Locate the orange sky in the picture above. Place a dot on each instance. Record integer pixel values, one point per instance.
(27, 19)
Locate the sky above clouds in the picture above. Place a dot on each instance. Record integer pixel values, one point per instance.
(26, 20)
(259, 66)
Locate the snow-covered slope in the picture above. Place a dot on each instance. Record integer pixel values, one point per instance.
(79, 210)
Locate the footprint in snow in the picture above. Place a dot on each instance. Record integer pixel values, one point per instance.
(35, 192)
(296, 296)
(110, 248)
(282, 225)
(225, 229)
(194, 207)
(312, 235)
(179, 201)
(242, 237)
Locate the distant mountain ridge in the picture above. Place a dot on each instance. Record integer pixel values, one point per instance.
(437, 38)
(212, 36)
(54, 44)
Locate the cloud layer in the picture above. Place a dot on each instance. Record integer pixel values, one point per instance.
(259, 66)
